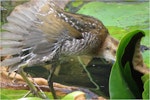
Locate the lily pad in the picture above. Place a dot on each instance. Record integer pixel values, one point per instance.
(118, 14)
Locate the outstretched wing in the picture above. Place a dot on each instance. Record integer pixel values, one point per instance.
(33, 31)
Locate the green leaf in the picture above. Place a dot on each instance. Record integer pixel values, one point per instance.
(74, 95)
(118, 88)
(77, 3)
(122, 82)
(146, 56)
(16, 94)
(146, 81)
(145, 78)
(129, 79)
(145, 94)
(30, 98)
(13, 94)
(3, 97)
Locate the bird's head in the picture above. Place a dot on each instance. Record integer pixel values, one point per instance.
(109, 48)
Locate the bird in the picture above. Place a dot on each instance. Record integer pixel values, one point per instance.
(38, 32)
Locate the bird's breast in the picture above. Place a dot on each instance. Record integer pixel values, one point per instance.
(84, 46)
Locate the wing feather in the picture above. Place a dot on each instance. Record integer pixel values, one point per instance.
(34, 31)
(10, 51)
(10, 61)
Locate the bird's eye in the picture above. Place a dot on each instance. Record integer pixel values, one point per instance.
(107, 48)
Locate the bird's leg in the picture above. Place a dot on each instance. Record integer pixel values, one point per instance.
(50, 81)
(30, 84)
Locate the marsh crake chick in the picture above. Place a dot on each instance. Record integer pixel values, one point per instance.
(39, 32)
